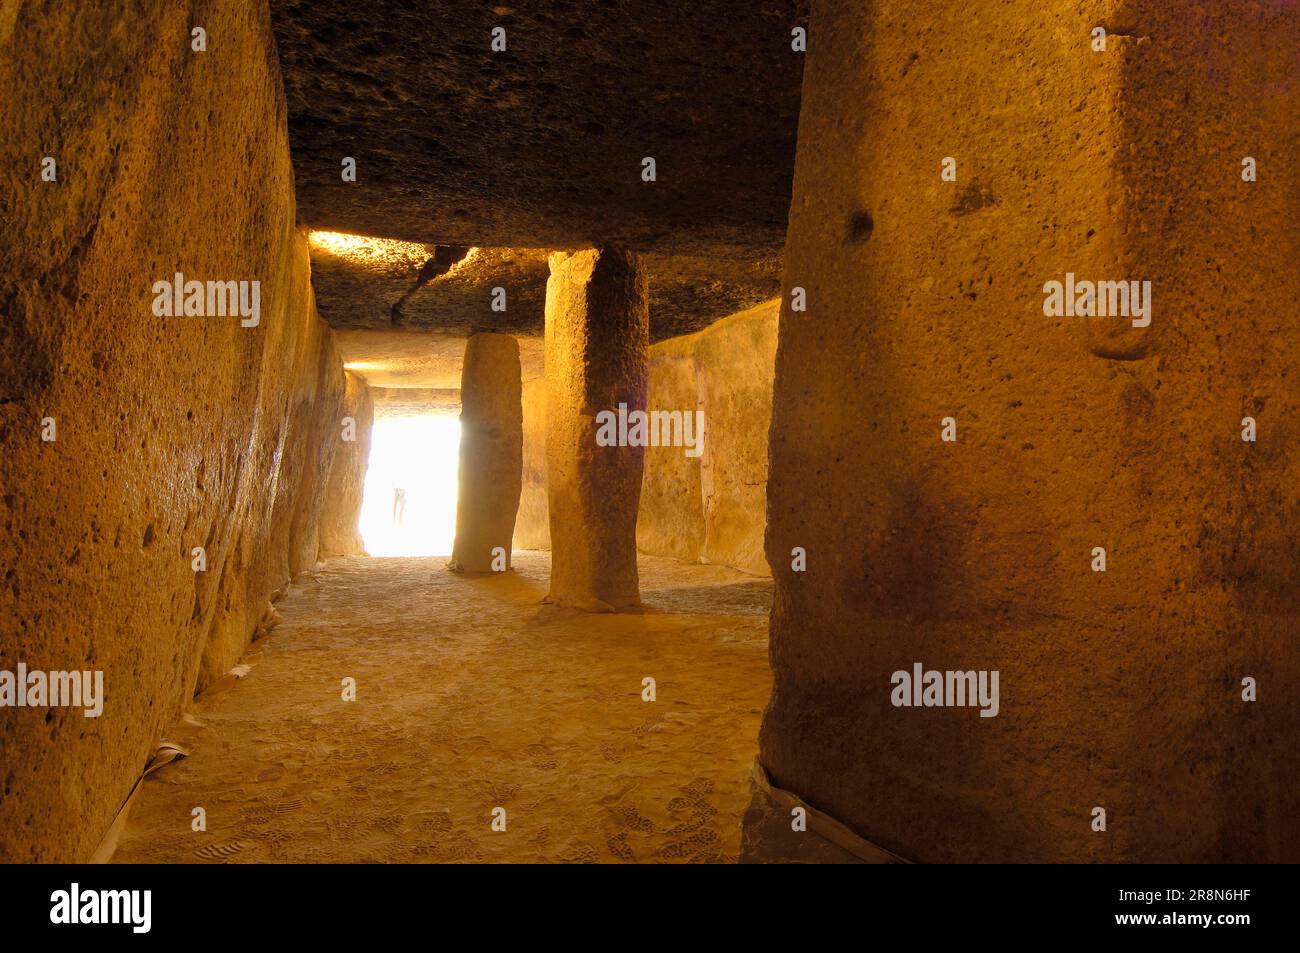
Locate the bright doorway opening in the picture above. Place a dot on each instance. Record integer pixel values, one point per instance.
(409, 503)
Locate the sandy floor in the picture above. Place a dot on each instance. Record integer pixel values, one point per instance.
(471, 696)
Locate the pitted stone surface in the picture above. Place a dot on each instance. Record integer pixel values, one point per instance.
(596, 343)
(174, 433)
(381, 284)
(1122, 688)
(541, 145)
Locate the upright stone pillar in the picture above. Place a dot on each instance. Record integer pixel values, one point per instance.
(952, 451)
(491, 454)
(597, 336)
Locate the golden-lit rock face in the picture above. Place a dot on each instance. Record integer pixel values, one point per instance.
(403, 358)
(491, 454)
(371, 284)
(537, 148)
(533, 521)
(418, 359)
(938, 472)
(1119, 689)
(382, 283)
(596, 341)
(339, 534)
(689, 293)
(415, 402)
(172, 433)
(709, 508)
(712, 508)
(541, 145)
(382, 257)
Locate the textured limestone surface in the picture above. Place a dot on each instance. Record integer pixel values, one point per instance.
(415, 401)
(710, 508)
(403, 358)
(399, 359)
(596, 343)
(380, 283)
(713, 508)
(491, 454)
(171, 433)
(541, 144)
(671, 518)
(688, 294)
(375, 283)
(1119, 689)
(533, 523)
(339, 532)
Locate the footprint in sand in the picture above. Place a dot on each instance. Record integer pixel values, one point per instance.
(433, 822)
(610, 754)
(342, 827)
(650, 724)
(675, 851)
(687, 827)
(693, 795)
(699, 788)
(269, 811)
(219, 852)
(275, 840)
(703, 838)
(617, 845)
(580, 852)
(541, 758)
(700, 847)
(628, 816)
(388, 823)
(464, 847)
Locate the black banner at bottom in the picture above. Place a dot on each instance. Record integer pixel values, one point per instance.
(1222, 904)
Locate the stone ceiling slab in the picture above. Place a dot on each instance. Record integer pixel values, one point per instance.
(367, 283)
(542, 145)
(418, 359)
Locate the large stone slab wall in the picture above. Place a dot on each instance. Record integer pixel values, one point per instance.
(171, 432)
(340, 534)
(1120, 690)
(533, 522)
(710, 508)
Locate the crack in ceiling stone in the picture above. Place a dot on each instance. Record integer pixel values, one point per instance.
(445, 258)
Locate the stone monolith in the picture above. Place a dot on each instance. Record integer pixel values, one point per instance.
(491, 454)
(597, 336)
